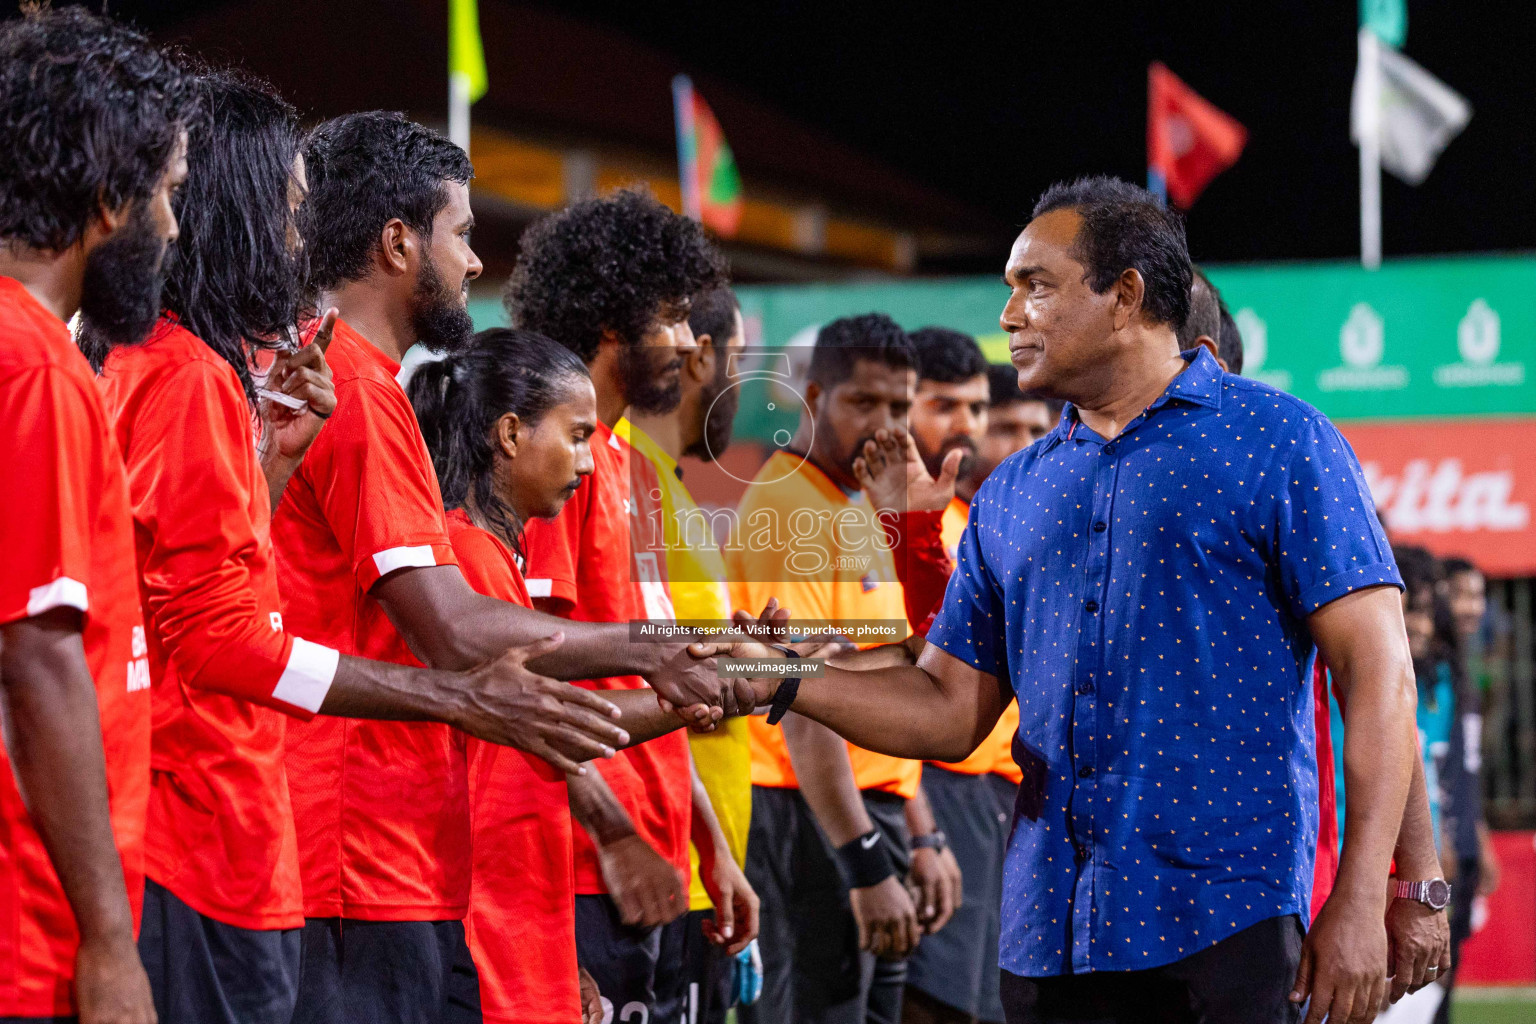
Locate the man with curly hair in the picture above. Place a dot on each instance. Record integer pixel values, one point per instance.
(93, 124)
(613, 279)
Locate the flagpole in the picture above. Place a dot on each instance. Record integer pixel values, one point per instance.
(1369, 115)
(458, 109)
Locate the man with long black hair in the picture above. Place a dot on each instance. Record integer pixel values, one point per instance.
(223, 901)
(366, 567)
(93, 126)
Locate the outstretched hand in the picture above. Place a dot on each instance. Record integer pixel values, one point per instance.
(508, 703)
(893, 477)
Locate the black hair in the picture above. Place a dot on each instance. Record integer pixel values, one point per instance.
(1230, 345)
(460, 397)
(1456, 565)
(1204, 312)
(1125, 227)
(90, 114)
(841, 343)
(608, 264)
(714, 313)
(364, 170)
(231, 278)
(947, 357)
(1003, 385)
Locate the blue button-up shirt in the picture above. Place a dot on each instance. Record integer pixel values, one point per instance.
(1146, 598)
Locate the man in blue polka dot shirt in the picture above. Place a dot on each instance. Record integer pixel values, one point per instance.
(1153, 580)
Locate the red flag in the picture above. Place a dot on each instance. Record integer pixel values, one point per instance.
(710, 182)
(1189, 141)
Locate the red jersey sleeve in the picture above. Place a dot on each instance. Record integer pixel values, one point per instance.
(922, 565)
(46, 477)
(190, 475)
(373, 478)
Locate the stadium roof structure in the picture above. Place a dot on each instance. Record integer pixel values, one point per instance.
(575, 107)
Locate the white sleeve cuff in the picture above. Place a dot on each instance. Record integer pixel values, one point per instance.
(308, 676)
(417, 557)
(539, 588)
(61, 593)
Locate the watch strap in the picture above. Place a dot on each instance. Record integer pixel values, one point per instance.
(788, 688)
(935, 840)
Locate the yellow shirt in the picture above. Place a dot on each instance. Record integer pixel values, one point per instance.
(801, 539)
(696, 581)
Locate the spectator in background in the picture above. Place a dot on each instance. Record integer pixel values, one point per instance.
(829, 844)
(1014, 422)
(1466, 847)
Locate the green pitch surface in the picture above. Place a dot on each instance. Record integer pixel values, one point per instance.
(1494, 1006)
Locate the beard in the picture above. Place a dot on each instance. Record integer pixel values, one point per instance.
(721, 400)
(646, 387)
(968, 461)
(438, 314)
(120, 293)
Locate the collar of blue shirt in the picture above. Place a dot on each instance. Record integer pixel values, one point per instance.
(1199, 384)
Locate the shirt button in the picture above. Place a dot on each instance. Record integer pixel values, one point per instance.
(1100, 527)
(1085, 689)
(1092, 607)
(1086, 771)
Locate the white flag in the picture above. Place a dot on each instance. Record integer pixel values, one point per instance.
(1417, 114)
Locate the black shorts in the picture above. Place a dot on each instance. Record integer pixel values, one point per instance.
(203, 971)
(813, 969)
(386, 972)
(1243, 979)
(958, 964)
(636, 969)
(708, 976)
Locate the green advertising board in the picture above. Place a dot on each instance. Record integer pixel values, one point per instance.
(1418, 338)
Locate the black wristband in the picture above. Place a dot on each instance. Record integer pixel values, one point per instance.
(784, 694)
(866, 861)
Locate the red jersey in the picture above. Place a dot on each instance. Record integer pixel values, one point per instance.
(68, 540)
(221, 834)
(522, 914)
(1326, 867)
(382, 807)
(571, 562)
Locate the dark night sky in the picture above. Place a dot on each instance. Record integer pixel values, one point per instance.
(991, 102)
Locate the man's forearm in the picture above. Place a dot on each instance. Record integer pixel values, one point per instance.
(1415, 854)
(820, 760)
(920, 821)
(278, 469)
(596, 809)
(640, 715)
(449, 625)
(1379, 750)
(53, 739)
(705, 831)
(898, 710)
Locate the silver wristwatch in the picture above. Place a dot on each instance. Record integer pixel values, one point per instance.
(1434, 894)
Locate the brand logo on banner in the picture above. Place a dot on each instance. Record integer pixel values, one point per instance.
(1362, 343)
(1456, 487)
(1477, 340)
(1255, 334)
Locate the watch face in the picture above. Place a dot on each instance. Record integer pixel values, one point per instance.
(1439, 894)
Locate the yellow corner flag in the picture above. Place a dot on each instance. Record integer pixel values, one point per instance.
(466, 56)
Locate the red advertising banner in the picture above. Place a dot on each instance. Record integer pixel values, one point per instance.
(1457, 487)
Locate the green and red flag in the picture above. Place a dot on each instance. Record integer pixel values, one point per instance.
(711, 184)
